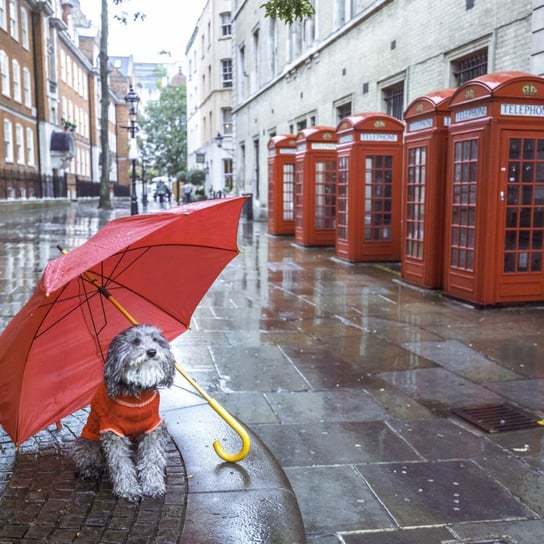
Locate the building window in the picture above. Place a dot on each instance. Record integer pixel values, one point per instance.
(226, 72)
(17, 93)
(24, 29)
(227, 174)
(62, 66)
(226, 118)
(30, 159)
(256, 60)
(226, 29)
(4, 69)
(69, 71)
(13, 19)
(27, 88)
(273, 45)
(8, 141)
(343, 110)
(19, 144)
(470, 66)
(3, 15)
(394, 100)
(343, 12)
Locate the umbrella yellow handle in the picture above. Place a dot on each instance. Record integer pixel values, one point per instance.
(230, 420)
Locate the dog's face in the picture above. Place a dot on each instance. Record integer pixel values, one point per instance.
(139, 359)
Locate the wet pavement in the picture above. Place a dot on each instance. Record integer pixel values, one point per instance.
(346, 379)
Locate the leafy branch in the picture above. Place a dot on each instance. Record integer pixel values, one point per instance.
(288, 11)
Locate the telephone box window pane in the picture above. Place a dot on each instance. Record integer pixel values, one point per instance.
(540, 150)
(527, 195)
(511, 222)
(527, 175)
(539, 173)
(528, 149)
(538, 220)
(510, 240)
(513, 197)
(515, 149)
(378, 194)
(509, 264)
(513, 172)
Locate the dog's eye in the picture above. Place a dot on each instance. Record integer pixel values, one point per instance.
(136, 341)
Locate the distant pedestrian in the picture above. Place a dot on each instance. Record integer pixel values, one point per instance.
(162, 190)
(187, 192)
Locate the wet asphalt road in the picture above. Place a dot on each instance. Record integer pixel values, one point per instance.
(350, 378)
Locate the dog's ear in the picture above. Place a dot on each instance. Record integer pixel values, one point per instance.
(112, 366)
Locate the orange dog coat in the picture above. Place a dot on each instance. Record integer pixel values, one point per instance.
(125, 416)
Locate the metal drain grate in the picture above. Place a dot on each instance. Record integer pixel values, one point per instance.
(488, 542)
(499, 418)
(500, 541)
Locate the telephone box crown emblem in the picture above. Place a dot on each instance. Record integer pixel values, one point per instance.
(529, 90)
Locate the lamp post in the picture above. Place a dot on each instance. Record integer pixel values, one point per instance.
(132, 100)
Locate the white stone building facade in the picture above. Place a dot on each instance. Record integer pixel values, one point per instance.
(363, 56)
(209, 90)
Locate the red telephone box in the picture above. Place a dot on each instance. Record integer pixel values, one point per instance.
(425, 167)
(281, 184)
(369, 187)
(494, 235)
(315, 187)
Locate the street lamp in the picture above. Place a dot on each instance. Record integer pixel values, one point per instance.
(132, 100)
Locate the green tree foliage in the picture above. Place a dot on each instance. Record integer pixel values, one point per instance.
(164, 123)
(288, 11)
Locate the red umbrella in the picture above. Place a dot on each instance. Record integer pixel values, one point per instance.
(156, 266)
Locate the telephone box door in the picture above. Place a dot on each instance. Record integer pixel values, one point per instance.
(521, 215)
(464, 202)
(281, 184)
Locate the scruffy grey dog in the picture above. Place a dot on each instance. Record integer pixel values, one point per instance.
(124, 432)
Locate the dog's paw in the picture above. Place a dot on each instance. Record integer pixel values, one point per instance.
(133, 495)
(90, 473)
(154, 489)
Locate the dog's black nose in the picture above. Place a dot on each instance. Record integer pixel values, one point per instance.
(151, 352)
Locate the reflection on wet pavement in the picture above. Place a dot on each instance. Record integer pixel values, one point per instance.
(349, 377)
(352, 376)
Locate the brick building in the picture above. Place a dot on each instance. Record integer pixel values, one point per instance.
(49, 100)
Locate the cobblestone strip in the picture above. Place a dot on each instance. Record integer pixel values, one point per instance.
(42, 500)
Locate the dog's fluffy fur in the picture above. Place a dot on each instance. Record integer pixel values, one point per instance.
(139, 361)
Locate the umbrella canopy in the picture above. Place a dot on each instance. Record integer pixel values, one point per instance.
(157, 266)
